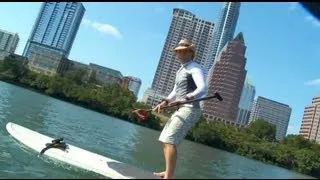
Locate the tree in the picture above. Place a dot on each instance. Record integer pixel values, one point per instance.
(307, 162)
(263, 130)
(297, 141)
(14, 69)
(92, 77)
(76, 75)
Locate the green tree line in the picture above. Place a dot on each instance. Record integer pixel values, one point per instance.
(256, 141)
(78, 88)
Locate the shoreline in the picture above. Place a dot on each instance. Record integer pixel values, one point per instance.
(71, 102)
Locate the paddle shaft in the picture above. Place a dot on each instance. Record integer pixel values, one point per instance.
(191, 101)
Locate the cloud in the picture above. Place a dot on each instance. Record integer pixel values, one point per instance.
(103, 28)
(314, 82)
(313, 21)
(107, 29)
(293, 6)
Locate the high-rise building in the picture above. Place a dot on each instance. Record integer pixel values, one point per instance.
(245, 104)
(273, 112)
(184, 25)
(224, 30)
(146, 96)
(47, 60)
(310, 125)
(8, 41)
(106, 75)
(132, 83)
(56, 26)
(227, 77)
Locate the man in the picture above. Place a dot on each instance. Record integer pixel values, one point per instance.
(189, 84)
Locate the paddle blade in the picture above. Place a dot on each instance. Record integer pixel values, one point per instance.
(140, 114)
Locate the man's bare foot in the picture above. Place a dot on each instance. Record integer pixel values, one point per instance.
(167, 177)
(160, 174)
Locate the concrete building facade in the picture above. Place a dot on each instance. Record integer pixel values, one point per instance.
(106, 75)
(227, 78)
(273, 112)
(133, 84)
(310, 125)
(8, 41)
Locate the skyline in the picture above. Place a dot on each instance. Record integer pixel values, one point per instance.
(294, 28)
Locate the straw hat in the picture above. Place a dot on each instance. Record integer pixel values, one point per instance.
(185, 44)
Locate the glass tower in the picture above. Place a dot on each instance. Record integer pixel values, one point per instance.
(224, 30)
(56, 26)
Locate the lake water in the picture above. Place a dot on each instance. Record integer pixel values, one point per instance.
(109, 137)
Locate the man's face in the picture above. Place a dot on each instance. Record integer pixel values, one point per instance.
(183, 54)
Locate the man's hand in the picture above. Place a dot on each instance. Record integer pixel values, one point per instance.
(189, 97)
(177, 102)
(159, 106)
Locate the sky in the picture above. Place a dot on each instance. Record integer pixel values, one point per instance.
(282, 39)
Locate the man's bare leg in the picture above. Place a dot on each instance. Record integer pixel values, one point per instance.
(171, 158)
(161, 174)
(170, 155)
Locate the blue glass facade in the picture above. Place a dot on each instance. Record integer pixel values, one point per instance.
(56, 26)
(245, 104)
(134, 85)
(224, 30)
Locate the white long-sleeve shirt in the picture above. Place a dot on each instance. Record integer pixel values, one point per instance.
(189, 82)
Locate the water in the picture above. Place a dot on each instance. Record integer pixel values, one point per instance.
(109, 137)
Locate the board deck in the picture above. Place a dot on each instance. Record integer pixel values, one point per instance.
(76, 156)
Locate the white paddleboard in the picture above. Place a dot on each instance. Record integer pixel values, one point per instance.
(76, 156)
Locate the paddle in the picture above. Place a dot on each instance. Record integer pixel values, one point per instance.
(141, 114)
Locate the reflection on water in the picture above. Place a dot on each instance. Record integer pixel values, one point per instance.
(109, 137)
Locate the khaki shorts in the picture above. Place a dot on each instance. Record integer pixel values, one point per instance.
(179, 124)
